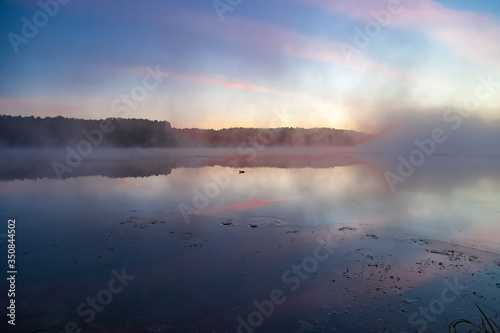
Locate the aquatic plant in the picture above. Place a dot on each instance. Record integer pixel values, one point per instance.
(487, 325)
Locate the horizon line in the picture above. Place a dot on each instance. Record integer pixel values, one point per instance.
(182, 128)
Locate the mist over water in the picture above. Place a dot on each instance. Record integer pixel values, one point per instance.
(206, 232)
(224, 232)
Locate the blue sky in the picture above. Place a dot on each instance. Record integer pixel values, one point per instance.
(313, 60)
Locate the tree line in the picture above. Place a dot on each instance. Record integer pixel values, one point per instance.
(18, 131)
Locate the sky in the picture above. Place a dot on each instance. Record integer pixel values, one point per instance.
(360, 64)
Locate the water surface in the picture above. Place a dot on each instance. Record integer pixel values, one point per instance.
(203, 241)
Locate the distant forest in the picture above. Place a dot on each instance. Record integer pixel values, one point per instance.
(17, 131)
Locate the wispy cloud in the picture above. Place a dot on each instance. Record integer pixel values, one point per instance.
(225, 82)
(467, 34)
(211, 79)
(282, 41)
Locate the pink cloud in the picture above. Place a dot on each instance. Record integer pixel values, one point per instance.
(465, 33)
(221, 81)
(210, 79)
(271, 38)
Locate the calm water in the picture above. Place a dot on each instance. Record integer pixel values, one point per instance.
(198, 242)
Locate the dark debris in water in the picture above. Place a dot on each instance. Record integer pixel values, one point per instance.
(140, 222)
(477, 294)
(229, 223)
(187, 235)
(453, 255)
(347, 229)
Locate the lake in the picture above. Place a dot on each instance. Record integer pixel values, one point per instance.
(180, 240)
